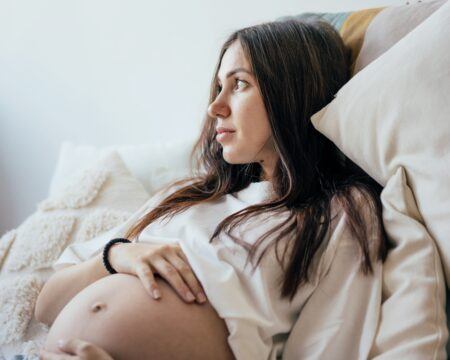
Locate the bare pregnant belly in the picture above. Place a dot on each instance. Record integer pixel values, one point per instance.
(117, 314)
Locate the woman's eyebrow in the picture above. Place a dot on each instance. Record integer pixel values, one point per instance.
(234, 71)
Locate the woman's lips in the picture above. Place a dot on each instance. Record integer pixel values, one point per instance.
(223, 136)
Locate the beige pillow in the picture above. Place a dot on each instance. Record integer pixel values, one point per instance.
(395, 112)
(93, 201)
(412, 322)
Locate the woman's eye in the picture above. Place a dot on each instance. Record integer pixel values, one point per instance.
(239, 84)
(240, 81)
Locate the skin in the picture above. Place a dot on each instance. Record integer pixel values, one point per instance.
(129, 324)
(238, 106)
(76, 349)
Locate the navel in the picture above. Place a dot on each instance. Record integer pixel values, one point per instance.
(97, 306)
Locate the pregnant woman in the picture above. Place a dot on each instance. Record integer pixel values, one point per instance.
(277, 227)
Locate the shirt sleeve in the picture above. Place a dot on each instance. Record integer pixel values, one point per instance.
(340, 318)
(79, 252)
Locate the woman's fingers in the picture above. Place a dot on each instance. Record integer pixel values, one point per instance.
(46, 355)
(187, 274)
(182, 255)
(79, 348)
(145, 273)
(169, 262)
(84, 350)
(173, 277)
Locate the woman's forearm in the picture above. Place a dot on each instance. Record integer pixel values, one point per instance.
(63, 285)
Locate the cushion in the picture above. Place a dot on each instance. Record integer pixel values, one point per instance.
(368, 33)
(401, 335)
(153, 165)
(395, 113)
(94, 200)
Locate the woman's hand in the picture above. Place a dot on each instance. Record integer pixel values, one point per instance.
(168, 260)
(76, 349)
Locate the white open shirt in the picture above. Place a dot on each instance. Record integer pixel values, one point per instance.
(333, 317)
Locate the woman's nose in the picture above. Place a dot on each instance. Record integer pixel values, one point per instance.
(218, 109)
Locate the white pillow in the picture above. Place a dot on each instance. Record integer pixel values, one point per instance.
(412, 320)
(154, 165)
(93, 201)
(395, 112)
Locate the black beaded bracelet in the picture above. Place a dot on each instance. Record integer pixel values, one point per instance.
(108, 245)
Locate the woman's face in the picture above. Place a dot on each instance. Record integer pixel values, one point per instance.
(239, 106)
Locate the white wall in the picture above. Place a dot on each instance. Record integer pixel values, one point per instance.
(106, 72)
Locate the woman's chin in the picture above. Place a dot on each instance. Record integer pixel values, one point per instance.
(231, 157)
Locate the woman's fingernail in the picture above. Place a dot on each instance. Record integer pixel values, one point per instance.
(156, 294)
(61, 342)
(190, 296)
(201, 297)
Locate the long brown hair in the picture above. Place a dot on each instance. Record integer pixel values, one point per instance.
(299, 66)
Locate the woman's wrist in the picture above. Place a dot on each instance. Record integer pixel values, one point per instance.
(106, 250)
(113, 253)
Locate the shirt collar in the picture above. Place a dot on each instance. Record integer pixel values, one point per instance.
(256, 192)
